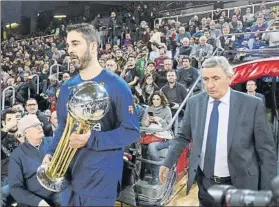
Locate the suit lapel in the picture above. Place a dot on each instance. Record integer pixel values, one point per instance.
(203, 111)
(234, 110)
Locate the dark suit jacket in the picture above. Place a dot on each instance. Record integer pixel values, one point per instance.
(261, 96)
(251, 148)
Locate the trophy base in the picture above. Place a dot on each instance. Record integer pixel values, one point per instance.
(54, 185)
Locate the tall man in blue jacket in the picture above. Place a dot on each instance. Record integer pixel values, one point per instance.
(96, 169)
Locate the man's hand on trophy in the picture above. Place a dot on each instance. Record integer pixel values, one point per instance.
(79, 140)
(47, 159)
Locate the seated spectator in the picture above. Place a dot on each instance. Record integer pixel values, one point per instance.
(142, 61)
(227, 42)
(139, 110)
(182, 34)
(53, 86)
(119, 58)
(187, 75)
(28, 84)
(221, 23)
(214, 33)
(185, 48)
(162, 74)
(73, 71)
(19, 107)
(65, 77)
(248, 18)
(201, 52)
(130, 73)
(199, 32)
(256, 37)
(237, 13)
(157, 115)
(159, 61)
(32, 108)
(210, 40)
(272, 37)
(23, 165)
(204, 24)
(174, 91)
(9, 142)
(147, 89)
(235, 25)
(53, 121)
(113, 67)
(102, 62)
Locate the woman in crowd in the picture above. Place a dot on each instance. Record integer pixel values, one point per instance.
(157, 115)
(147, 89)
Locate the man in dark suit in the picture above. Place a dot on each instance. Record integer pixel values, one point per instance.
(232, 139)
(251, 87)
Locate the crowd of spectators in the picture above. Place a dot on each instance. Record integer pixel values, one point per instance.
(165, 56)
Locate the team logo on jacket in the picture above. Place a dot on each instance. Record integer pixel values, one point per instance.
(131, 109)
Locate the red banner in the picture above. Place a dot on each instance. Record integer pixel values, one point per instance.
(255, 69)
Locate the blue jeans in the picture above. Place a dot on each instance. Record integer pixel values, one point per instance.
(153, 151)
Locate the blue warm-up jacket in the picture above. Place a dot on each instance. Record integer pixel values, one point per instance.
(96, 169)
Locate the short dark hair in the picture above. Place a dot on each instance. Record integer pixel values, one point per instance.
(31, 99)
(88, 32)
(8, 111)
(252, 81)
(186, 58)
(131, 56)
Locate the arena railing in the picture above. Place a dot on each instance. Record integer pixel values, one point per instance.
(4, 96)
(37, 85)
(219, 48)
(174, 121)
(57, 69)
(202, 14)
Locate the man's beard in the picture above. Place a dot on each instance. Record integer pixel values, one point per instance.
(83, 61)
(13, 130)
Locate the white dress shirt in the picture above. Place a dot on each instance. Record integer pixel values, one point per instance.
(221, 168)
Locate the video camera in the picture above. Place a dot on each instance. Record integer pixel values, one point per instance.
(227, 195)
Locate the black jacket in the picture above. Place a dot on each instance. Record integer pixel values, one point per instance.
(187, 77)
(8, 144)
(46, 124)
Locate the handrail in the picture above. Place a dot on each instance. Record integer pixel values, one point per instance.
(183, 8)
(242, 33)
(37, 87)
(4, 96)
(150, 129)
(38, 82)
(57, 72)
(205, 12)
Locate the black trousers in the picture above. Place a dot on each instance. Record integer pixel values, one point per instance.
(205, 199)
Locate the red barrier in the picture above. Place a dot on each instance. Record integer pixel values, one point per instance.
(255, 69)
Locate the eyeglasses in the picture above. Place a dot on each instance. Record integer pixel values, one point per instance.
(34, 126)
(29, 105)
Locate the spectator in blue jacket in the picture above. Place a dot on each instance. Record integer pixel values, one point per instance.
(24, 162)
